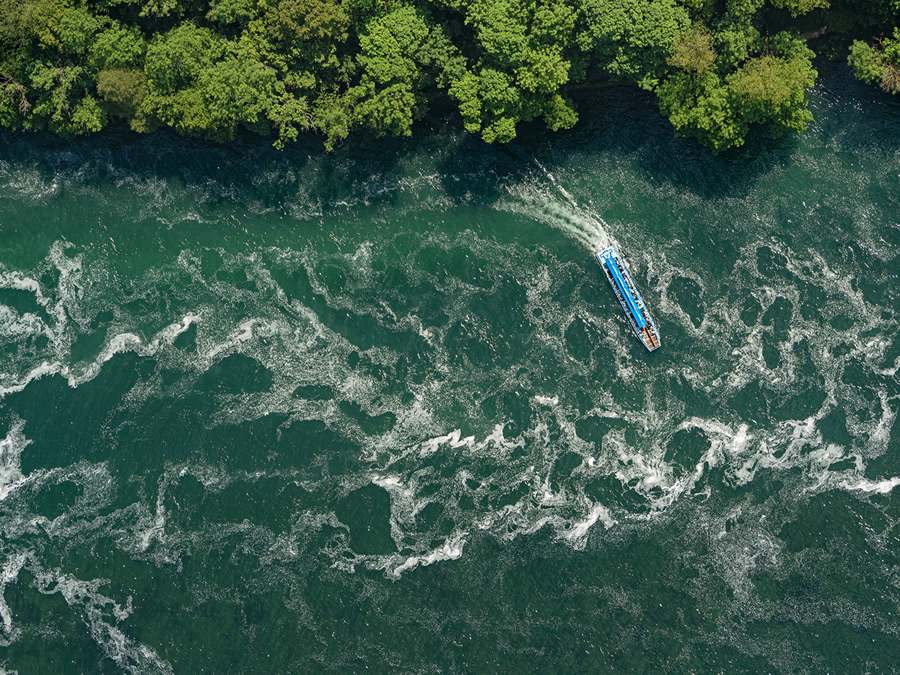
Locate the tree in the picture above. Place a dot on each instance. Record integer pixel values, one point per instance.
(228, 12)
(693, 50)
(401, 53)
(123, 92)
(214, 67)
(199, 83)
(333, 115)
(522, 67)
(62, 102)
(700, 105)
(14, 105)
(237, 91)
(30, 23)
(878, 63)
(798, 7)
(118, 46)
(772, 90)
(304, 39)
(769, 89)
(75, 30)
(175, 59)
(632, 39)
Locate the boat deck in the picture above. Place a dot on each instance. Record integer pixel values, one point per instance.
(634, 306)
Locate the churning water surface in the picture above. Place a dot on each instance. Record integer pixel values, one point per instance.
(379, 408)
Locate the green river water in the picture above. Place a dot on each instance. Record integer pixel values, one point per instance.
(379, 409)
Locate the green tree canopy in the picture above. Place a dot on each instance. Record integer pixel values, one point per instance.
(693, 50)
(878, 63)
(216, 67)
(400, 54)
(632, 39)
(523, 68)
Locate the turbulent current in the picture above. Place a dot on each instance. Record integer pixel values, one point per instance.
(269, 412)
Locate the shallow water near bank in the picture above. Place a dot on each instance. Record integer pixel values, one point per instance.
(380, 408)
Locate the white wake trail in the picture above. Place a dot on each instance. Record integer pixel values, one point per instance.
(577, 221)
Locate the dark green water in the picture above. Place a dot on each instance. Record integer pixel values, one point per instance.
(379, 409)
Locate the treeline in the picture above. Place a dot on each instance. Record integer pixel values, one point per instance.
(212, 67)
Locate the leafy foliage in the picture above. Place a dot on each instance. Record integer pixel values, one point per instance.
(633, 38)
(798, 7)
(400, 53)
(878, 63)
(118, 46)
(699, 105)
(693, 50)
(718, 110)
(772, 89)
(123, 91)
(63, 103)
(521, 69)
(219, 67)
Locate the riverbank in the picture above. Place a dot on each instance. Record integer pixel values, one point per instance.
(281, 68)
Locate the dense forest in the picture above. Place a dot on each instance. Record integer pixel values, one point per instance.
(214, 67)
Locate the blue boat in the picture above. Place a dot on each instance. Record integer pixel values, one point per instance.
(631, 301)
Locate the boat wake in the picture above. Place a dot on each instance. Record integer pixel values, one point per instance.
(539, 199)
(586, 225)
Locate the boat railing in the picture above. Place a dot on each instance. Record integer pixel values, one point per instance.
(634, 293)
(646, 333)
(621, 298)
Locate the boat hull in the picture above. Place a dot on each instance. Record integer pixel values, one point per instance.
(636, 311)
